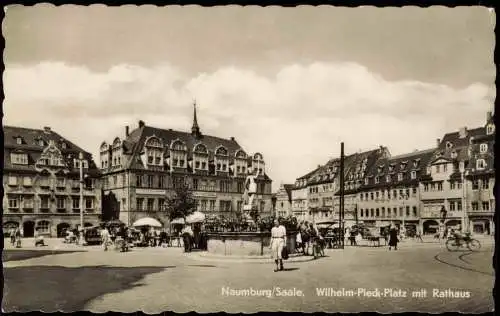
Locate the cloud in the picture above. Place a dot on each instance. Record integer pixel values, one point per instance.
(296, 117)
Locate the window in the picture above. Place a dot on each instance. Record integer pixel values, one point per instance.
(28, 203)
(89, 203)
(262, 206)
(61, 203)
(157, 160)
(12, 180)
(401, 211)
(445, 167)
(44, 202)
(150, 206)
(27, 182)
(13, 202)
(19, 140)
(407, 211)
(377, 195)
(475, 184)
(161, 182)
(459, 205)
(388, 178)
(400, 177)
(485, 184)
(371, 195)
(414, 211)
(433, 186)
(452, 185)
(413, 175)
(383, 211)
(203, 165)
(19, 159)
(139, 180)
(395, 193)
(361, 213)
(414, 190)
(366, 181)
(181, 163)
(60, 182)
(486, 206)
(150, 159)
(361, 196)
(212, 205)
(490, 129)
(225, 206)
(150, 179)
(161, 204)
(377, 179)
(76, 202)
(197, 165)
(43, 227)
(377, 214)
(483, 148)
(440, 186)
(437, 168)
(475, 206)
(480, 164)
(140, 202)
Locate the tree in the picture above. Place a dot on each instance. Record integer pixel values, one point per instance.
(181, 203)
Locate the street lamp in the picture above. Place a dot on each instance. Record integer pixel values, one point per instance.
(80, 163)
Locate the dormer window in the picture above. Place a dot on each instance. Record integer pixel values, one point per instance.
(480, 164)
(63, 145)
(388, 178)
(413, 175)
(483, 148)
(366, 181)
(415, 164)
(41, 143)
(449, 145)
(490, 129)
(377, 180)
(400, 177)
(391, 168)
(403, 165)
(454, 154)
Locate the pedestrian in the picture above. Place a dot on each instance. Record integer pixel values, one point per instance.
(418, 235)
(12, 234)
(105, 238)
(187, 237)
(17, 235)
(393, 238)
(298, 242)
(278, 238)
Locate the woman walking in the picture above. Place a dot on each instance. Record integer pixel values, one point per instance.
(393, 238)
(278, 237)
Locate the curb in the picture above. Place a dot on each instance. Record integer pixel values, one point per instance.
(245, 259)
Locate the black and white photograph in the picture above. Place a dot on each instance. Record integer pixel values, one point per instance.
(247, 159)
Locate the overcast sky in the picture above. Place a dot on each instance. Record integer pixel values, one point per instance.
(288, 82)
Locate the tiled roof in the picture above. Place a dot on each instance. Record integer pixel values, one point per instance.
(401, 164)
(30, 138)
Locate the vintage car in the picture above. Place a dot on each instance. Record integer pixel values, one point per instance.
(93, 236)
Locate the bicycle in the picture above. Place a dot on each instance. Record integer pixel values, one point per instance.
(453, 243)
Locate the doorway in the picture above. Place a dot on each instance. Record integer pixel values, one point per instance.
(29, 229)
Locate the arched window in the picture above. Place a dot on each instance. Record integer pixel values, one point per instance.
(104, 147)
(241, 154)
(480, 164)
(154, 141)
(200, 148)
(221, 151)
(178, 145)
(117, 142)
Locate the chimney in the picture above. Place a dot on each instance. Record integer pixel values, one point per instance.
(46, 129)
(126, 131)
(462, 132)
(232, 138)
(488, 116)
(438, 142)
(141, 123)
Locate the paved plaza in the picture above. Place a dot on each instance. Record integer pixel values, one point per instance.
(64, 278)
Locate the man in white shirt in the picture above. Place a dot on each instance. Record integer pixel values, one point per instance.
(278, 242)
(105, 238)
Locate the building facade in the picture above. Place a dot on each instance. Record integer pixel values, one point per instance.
(300, 197)
(42, 183)
(149, 163)
(284, 200)
(390, 193)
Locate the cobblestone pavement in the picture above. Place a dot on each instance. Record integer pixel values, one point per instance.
(183, 283)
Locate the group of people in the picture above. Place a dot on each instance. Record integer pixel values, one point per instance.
(308, 237)
(15, 237)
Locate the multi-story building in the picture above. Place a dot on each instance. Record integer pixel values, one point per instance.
(149, 163)
(42, 182)
(284, 200)
(300, 197)
(356, 169)
(480, 176)
(390, 192)
(320, 188)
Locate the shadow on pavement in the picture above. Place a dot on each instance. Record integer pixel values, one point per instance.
(17, 255)
(52, 289)
(290, 269)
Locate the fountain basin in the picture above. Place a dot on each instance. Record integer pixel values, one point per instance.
(244, 243)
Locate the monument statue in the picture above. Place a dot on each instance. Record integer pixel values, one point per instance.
(250, 191)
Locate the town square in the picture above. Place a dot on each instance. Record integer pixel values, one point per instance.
(226, 160)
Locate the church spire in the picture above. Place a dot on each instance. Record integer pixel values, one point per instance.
(195, 130)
